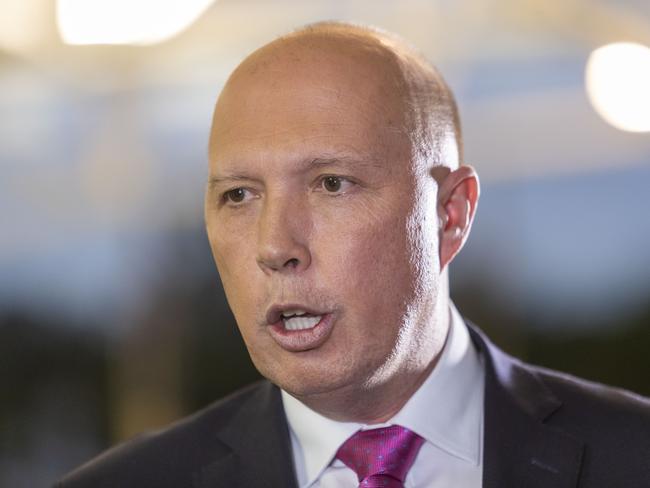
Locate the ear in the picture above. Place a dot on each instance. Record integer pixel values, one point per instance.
(457, 199)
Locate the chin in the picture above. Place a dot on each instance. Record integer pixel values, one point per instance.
(302, 390)
(305, 381)
(305, 386)
(326, 381)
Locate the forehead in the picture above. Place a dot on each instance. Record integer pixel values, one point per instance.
(299, 100)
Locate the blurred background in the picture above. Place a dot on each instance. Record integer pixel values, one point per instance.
(112, 318)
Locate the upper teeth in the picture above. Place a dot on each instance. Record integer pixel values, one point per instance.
(289, 313)
(299, 323)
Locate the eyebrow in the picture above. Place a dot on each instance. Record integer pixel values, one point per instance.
(345, 161)
(214, 180)
(313, 163)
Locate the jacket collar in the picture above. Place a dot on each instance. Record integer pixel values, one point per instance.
(520, 447)
(258, 437)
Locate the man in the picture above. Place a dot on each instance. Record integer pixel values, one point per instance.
(336, 200)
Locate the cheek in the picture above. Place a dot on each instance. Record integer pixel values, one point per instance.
(369, 256)
(232, 251)
(229, 239)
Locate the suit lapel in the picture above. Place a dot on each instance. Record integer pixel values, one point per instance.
(520, 448)
(258, 436)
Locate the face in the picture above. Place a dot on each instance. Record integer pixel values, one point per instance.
(315, 205)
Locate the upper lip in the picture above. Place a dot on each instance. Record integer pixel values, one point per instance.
(274, 312)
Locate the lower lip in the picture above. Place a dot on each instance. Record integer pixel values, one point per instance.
(304, 339)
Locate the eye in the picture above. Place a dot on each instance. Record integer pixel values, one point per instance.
(335, 184)
(236, 195)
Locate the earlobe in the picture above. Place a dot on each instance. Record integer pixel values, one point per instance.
(458, 199)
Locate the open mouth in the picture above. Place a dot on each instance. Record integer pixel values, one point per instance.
(299, 320)
(297, 328)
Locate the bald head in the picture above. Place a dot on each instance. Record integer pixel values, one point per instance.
(335, 188)
(407, 94)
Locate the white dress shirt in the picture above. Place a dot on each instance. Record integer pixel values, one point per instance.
(447, 411)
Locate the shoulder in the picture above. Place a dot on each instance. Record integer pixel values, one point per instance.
(170, 457)
(613, 423)
(613, 403)
(561, 398)
(572, 425)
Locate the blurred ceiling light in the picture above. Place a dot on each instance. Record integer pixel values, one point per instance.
(618, 85)
(125, 21)
(25, 25)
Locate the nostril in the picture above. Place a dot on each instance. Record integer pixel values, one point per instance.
(292, 263)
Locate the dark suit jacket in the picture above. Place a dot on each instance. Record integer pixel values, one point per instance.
(542, 429)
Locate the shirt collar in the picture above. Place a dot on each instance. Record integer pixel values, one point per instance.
(447, 409)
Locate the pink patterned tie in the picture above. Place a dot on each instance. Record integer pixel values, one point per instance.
(381, 457)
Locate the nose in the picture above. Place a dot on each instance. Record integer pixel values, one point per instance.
(283, 234)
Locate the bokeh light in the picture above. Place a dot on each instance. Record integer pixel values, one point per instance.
(618, 85)
(125, 21)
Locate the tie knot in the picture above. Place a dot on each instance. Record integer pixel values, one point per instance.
(387, 452)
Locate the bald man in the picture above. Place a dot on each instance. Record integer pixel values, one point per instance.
(337, 197)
